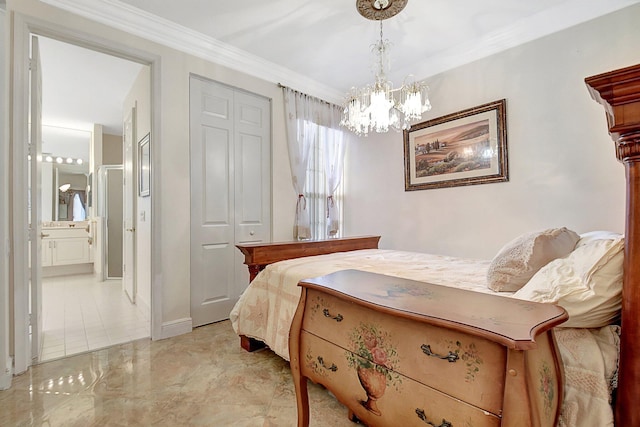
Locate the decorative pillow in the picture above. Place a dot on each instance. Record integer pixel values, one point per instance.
(522, 257)
(587, 283)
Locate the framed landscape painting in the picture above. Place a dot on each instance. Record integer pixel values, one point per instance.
(464, 148)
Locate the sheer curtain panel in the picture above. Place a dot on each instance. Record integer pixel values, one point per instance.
(301, 113)
(313, 127)
(333, 146)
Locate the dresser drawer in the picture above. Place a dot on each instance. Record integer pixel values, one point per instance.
(392, 399)
(467, 367)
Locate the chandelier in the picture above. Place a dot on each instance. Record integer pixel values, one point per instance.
(379, 106)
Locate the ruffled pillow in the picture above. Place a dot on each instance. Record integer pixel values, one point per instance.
(587, 283)
(522, 257)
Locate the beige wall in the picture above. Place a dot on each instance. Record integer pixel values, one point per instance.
(140, 98)
(111, 149)
(77, 181)
(563, 170)
(170, 251)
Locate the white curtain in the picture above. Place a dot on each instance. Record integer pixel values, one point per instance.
(301, 117)
(79, 213)
(333, 146)
(312, 123)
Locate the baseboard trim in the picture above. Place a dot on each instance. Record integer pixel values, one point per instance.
(6, 375)
(67, 270)
(176, 327)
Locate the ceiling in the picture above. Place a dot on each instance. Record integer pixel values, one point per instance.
(318, 47)
(80, 87)
(329, 41)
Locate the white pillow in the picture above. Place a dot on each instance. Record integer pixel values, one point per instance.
(587, 283)
(523, 256)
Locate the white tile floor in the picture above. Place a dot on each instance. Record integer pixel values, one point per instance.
(80, 314)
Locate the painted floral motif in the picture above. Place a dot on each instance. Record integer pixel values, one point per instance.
(469, 355)
(402, 290)
(525, 305)
(318, 365)
(317, 304)
(374, 358)
(547, 388)
(320, 305)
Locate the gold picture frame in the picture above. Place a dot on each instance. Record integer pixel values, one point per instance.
(464, 148)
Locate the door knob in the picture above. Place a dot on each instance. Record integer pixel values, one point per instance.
(42, 235)
(131, 229)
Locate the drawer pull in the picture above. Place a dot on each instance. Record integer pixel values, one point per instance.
(451, 357)
(423, 417)
(337, 318)
(332, 368)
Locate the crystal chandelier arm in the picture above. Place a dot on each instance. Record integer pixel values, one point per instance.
(380, 106)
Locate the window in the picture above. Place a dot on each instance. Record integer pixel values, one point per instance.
(316, 190)
(79, 213)
(316, 155)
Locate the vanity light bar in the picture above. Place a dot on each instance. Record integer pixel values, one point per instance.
(69, 160)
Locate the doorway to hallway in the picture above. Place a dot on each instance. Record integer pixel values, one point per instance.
(82, 313)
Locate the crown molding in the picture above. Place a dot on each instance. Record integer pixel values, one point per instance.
(134, 21)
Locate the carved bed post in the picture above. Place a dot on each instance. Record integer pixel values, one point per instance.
(619, 92)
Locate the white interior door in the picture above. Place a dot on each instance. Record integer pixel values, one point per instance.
(212, 182)
(129, 187)
(253, 171)
(35, 202)
(230, 149)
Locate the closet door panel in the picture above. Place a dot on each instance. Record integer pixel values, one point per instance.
(217, 213)
(213, 292)
(253, 168)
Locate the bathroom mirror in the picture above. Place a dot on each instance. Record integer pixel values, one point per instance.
(65, 170)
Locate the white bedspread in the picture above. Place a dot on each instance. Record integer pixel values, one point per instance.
(266, 308)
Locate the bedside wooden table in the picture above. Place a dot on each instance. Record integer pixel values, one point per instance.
(398, 352)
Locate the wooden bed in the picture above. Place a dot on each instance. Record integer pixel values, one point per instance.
(619, 93)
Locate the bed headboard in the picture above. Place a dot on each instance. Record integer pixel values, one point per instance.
(619, 92)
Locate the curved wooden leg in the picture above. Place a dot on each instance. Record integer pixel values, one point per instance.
(299, 381)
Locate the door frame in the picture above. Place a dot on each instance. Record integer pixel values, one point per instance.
(6, 361)
(129, 193)
(21, 29)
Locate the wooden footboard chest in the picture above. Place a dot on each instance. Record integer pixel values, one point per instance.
(400, 352)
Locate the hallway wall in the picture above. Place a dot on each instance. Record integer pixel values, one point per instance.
(5, 360)
(140, 97)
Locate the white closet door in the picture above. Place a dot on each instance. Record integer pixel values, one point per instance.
(253, 170)
(230, 149)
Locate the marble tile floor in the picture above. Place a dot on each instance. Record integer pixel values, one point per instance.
(202, 378)
(81, 313)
